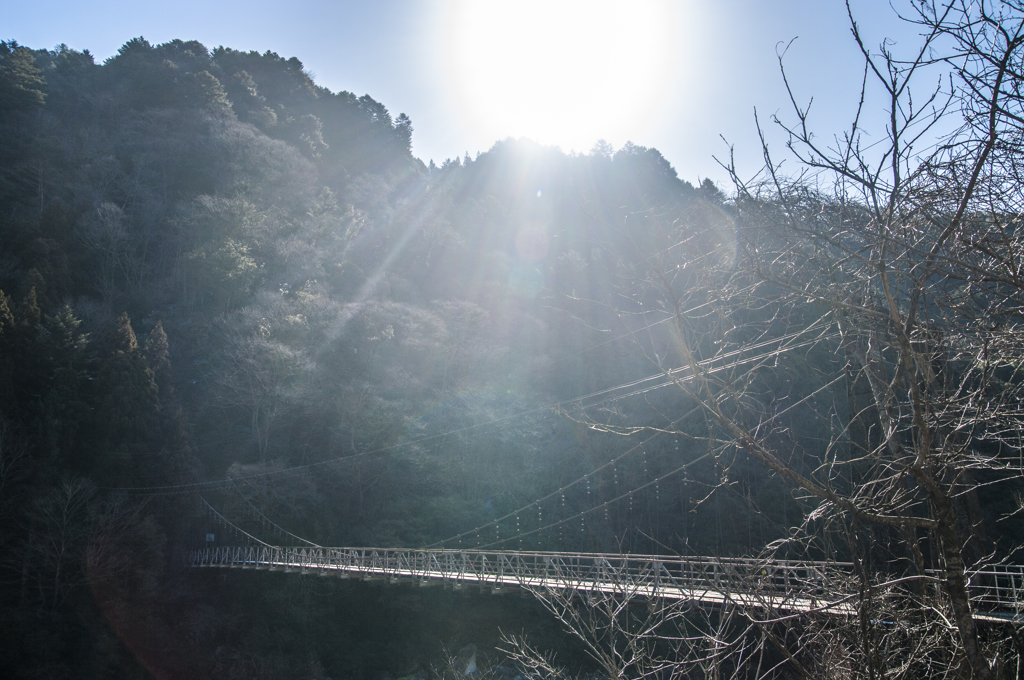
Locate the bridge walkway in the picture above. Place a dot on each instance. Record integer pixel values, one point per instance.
(779, 585)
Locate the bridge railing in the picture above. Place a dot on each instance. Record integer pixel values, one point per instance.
(770, 583)
(997, 588)
(652, 575)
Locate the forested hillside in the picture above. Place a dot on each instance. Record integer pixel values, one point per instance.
(225, 287)
(214, 269)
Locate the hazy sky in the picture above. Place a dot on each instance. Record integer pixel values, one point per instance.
(677, 76)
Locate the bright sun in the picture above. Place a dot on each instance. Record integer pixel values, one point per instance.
(561, 72)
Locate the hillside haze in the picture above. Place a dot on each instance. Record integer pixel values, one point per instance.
(236, 309)
(214, 269)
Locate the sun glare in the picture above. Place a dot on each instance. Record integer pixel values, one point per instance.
(560, 72)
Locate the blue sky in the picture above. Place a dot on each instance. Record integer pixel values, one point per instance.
(718, 59)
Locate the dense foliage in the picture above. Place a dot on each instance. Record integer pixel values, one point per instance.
(214, 269)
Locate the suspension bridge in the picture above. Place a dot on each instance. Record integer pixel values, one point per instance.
(765, 585)
(769, 585)
(798, 586)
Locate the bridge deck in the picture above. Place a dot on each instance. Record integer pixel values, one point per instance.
(998, 593)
